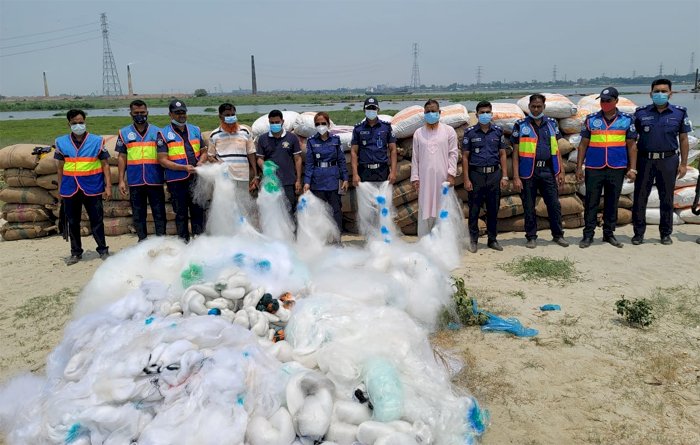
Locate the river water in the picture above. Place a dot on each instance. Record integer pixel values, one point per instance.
(689, 100)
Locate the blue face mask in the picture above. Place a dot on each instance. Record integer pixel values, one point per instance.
(659, 99)
(175, 122)
(230, 119)
(275, 128)
(539, 116)
(485, 118)
(371, 114)
(432, 117)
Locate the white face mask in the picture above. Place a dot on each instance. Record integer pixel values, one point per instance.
(78, 129)
(322, 129)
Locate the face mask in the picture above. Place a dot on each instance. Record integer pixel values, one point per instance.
(174, 122)
(371, 114)
(322, 129)
(659, 99)
(607, 106)
(230, 119)
(78, 129)
(539, 116)
(140, 119)
(432, 117)
(275, 128)
(485, 118)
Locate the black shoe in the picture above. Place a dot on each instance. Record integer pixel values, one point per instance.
(104, 255)
(561, 241)
(73, 259)
(612, 241)
(531, 243)
(666, 240)
(637, 240)
(585, 242)
(472, 247)
(495, 246)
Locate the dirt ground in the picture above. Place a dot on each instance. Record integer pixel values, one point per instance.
(587, 377)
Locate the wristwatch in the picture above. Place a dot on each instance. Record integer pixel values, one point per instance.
(505, 177)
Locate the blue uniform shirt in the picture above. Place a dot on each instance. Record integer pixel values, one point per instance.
(102, 155)
(659, 131)
(373, 141)
(586, 131)
(484, 148)
(281, 151)
(325, 163)
(162, 147)
(544, 151)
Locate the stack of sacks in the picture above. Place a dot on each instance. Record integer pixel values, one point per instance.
(684, 195)
(27, 208)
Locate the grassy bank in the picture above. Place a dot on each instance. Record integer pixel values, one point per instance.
(45, 131)
(87, 103)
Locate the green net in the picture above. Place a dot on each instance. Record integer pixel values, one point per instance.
(270, 182)
(192, 275)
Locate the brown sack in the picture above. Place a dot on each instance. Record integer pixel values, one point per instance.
(48, 182)
(572, 221)
(403, 193)
(570, 204)
(19, 156)
(28, 195)
(517, 224)
(47, 163)
(117, 226)
(18, 231)
(403, 171)
(25, 213)
(510, 206)
(406, 214)
(20, 177)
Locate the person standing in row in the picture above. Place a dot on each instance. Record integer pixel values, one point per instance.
(325, 167)
(485, 172)
(608, 146)
(283, 149)
(180, 149)
(434, 161)
(373, 148)
(663, 129)
(140, 170)
(537, 165)
(232, 144)
(83, 179)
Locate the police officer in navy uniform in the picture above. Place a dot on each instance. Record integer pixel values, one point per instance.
(608, 146)
(485, 172)
(325, 167)
(373, 148)
(537, 166)
(663, 129)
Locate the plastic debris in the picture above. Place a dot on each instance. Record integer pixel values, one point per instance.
(550, 307)
(498, 324)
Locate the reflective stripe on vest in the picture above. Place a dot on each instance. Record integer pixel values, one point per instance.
(608, 143)
(82, 168)
(142, 165)
(527, 151)
(176, 150)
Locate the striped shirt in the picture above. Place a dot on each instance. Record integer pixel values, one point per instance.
(233, 149)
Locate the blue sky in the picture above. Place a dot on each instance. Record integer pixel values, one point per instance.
(177, 46)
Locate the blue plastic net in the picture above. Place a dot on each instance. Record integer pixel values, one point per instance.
(498, 324)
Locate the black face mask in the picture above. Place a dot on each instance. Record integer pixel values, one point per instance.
(140, 118)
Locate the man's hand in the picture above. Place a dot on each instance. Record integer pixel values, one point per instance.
(307, 187)
(355, 180)
(579, 174)
(682, 170)
(297, 187)
(468, 185)
(560, 181)
(190, 169)
(254, 184)
(122, 187)
(517, 185)
(416, 185)
(504, 183)
(631, 175)
(392, 177)
(451, 180)
(344, 186)
(108, 192)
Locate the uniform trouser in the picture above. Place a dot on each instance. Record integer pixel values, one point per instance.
(486, 187)
(543, 179)
(185, 208)
(609, 182)
(93, 206)
(664, 172)
(425, 226)
(292, 199)
(332, 197)
(141, 196)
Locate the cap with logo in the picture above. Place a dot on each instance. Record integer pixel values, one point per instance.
(371, 102)
(177, 105)
(608, 93)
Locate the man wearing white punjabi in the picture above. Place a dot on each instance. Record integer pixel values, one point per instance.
(434, 162)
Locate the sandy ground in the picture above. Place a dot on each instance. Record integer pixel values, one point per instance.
(586, 378)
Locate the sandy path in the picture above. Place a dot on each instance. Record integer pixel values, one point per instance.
(586, 378)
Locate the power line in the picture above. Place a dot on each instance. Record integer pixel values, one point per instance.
(110, 78)
(48, 47)
(93, 31)
(46, 32)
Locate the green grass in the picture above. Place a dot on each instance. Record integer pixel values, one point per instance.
(541, 268)
(46, 307)
(87, 103)
(45, 131)
(682, 302)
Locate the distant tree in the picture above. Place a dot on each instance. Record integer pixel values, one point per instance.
(200, 92)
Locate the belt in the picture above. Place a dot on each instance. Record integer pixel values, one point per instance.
(546, 163)
(491, 169)
(658, 154)
(373, 166)
(326, 164)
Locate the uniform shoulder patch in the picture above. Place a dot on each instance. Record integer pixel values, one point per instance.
(680, 107)
(519, 121)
